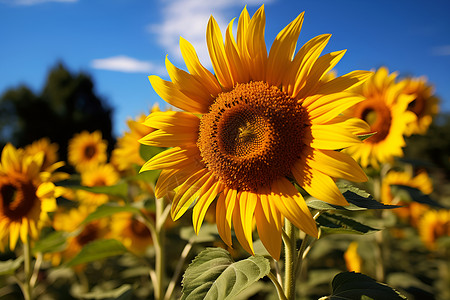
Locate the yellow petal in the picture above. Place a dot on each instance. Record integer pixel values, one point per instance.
(268, 223)
(239, 73)
(204, 201)
(49, 204)
(256, 45)
(331, 137)
(292, 205)
(197, 69)
(10, 160)
(24, 230)
(171, 138)
(170, 93)
(282, 51)
(344, 82)
(317, 184)
(243, 219)
(222, 207)
(187, 193)
(14, 229)
(217, 54)
(169, 119)
(171, 158)
(46, 189)
(169, 179)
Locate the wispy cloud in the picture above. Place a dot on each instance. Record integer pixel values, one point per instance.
(32, 2)
(127, 64)
(441, 50)
(188, 18)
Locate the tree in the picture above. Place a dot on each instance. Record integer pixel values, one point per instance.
(66, 105)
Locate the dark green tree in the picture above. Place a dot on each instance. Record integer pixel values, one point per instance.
(66, 105)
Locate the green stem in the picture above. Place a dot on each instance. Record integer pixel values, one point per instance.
(290, 260)
(379, 240)
(28, 269)
(275, 282)
(159, 250)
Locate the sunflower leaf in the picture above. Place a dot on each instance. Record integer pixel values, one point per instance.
(109, 209)
(214, 275)
(53, 242)
(332, 223)
(97, 250)
(147, 152)
(118, 190)
(123, 292)
(411, 194)
(351, 285)
(10, 266)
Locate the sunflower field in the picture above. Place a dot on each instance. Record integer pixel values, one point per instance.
(269, 177)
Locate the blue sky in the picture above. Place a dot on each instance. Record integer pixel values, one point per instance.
(120, 42)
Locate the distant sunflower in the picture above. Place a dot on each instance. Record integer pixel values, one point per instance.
(246, 132)
(409, 211)
(81, 234)
(87, 150)
(50, 151)
(131, 232)
(425, 105)
(433, 225)
(102, 175)
(126, 153)
(385, 110)
(25, 196)
(352, 259)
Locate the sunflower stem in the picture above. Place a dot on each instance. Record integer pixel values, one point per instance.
(277, 285)
(290, 260)
(159, 250)
(379, 251)
(28, 269)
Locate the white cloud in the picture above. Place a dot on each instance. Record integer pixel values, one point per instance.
(33, 2)
(188, 18)
(441, 50)
(127, 64)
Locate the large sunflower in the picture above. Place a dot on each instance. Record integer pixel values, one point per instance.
(247, 132)
(87, 150)
(385, 110)
(25, 196)
(425, 105)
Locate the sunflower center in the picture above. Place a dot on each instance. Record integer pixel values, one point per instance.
(89, 151)
(417, 106)
(17, 198)
(378, 116)
(139, 229)
(89, 234)
(252, 135)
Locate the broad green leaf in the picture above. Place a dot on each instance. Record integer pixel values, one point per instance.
(214, 275)
(147, 176)
(97, 250)
(10, 266)
(118, 190)
(53, 242)
(147, 152)
(121, 293)
(332, 223)
(409, 194)
(109, 209)
(351, 285)
(357, 199)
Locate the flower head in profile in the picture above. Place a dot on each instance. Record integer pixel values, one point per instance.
(408, 211)
(26, 196)
(385, 110)
(247, 132)
(126, 154)
(425, 104)
(87, 150)
(101, 175)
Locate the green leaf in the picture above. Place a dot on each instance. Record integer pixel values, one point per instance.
(147, 152)
(409, 194)
(53, 242)
(351, 285)
(207, 233)
(109, 209)
(10, 266)
(357, 199)
(363, 137)
(214, 275)
(121, 293)
(118, 190)
(97, 250)
(148, 176)
(332, 223)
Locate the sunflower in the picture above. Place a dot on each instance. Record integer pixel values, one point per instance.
(246, 133)
(385, 110)
(101, 175)
(352, 259)
(25, 196)
(81, 234)
(126, 153)
(50, 151)
(133, 233)
(87, 150)
(433, 225)
(409, 211)
(425, 105)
